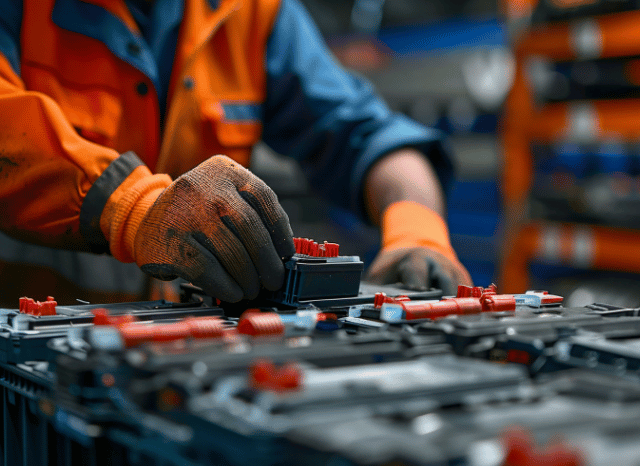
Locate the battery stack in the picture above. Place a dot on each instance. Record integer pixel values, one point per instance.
(571, 134)
(328, 371)
(393, 377)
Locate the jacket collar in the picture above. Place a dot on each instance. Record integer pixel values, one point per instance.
(114, 27)
(110, 22)
(202, 19)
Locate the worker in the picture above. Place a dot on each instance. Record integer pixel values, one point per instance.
(113, 113)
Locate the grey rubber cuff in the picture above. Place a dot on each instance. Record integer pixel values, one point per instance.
(97, 197)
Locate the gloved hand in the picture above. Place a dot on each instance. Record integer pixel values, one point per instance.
(416, 251)
(218, 226)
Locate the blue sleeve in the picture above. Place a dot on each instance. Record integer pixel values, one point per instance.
(10, 22)
(329, 120)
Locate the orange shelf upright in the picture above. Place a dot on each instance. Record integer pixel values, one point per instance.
(565, 244)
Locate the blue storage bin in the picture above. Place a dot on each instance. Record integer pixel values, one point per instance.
(474, 196)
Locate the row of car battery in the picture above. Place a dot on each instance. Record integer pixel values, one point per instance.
(577, 81)
(586, 161)
(560, 10)
(379, 376)
(587, 184)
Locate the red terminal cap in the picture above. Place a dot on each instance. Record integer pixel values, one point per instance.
(518, 356)
(464, 291)
(33, 307)
(326, 316)
(260, 324)
(380, 298)
(309, 247)
(48, 308)
(36, 308)
(332, 249)
(169, 399)
(518, 445)
(264, 375)
(100, 317)
(522, 451)
(313, 249)
(24, 304)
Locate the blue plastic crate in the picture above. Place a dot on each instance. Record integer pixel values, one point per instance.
(446, 35)
(474, 196)
(28, 437)
(474, 224)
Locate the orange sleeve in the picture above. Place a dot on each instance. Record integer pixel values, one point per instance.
(407, 224)
(47, 169)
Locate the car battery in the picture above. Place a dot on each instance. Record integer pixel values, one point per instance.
(24, 335)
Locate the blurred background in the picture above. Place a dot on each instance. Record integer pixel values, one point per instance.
(540, 100)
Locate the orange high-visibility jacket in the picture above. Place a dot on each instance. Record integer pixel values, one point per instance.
(80, 86)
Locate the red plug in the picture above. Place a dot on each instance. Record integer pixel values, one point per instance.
(264, 375)
(309, 247)
(412, 310)
(101, 317)
(475, 291)
(453, 306)
(521, 451)
(469, 300)
(134, 334)
(258, 324)
(36, 308)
